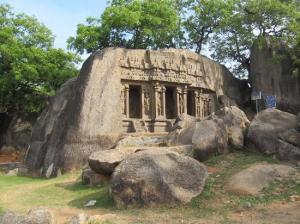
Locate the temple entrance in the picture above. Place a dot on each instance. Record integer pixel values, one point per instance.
(171, 102)
(191, 110)
(135, 102)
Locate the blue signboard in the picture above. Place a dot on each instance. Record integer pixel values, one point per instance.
(270, 101)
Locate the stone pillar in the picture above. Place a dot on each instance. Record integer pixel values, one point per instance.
(125, 100)
(146, 102)
(143, 102)
(197, 104)
(178, 101)
(185, 91)
(156, 99)
(163, 92)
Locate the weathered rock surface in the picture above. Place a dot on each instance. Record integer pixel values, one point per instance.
(93, 179)
(105, 161)
(182, 131)
(273, 132)
(85, 219)
(152, 177)
(11, 218)
(78, 219)
(298, 118)
(291, 136)
(16, 132)
(273, 76)
(253, 179)
(34, 216)
(141, 141)
(78, 120)
(86, 114)
(210, 137)
(236, 123)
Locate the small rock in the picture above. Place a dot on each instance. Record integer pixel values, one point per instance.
(78, 219)
(12, 173)
(247, 205)
(38, 216)
(294, 198)
(49, 171)
(59, 174)
(91, 203)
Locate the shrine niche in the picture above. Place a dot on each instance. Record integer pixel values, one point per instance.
(156, 90)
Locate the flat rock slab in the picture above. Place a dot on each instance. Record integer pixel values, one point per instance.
(140, 141)
(154, 177)
(255, 178)
(105, 161)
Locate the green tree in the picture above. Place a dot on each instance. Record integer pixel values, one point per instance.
(131, 24)
(30, 68)
(274, 19)
(204, 17)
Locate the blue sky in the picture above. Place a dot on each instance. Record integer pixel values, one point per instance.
(61, 16)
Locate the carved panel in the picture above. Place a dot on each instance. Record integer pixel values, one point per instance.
(159, 67)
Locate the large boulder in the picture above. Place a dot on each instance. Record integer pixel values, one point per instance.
(78, 120)
(89, 114)
(210, 137)
(273, 76)
(105, 161)
(255, 178)
(271, 132)
(141, 141)
(182, 130)
(236, 123)
(15, 133)
(234, 119)
(153, 177)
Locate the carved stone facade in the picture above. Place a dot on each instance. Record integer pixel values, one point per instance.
(120, 90)
(157, 88)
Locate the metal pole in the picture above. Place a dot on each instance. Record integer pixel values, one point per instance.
(256, 106)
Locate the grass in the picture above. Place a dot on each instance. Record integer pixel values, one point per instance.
(21, 193)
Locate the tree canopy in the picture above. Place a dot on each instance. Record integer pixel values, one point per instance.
(227, 28)
(274, 19)
(31, 69)
(130, 24)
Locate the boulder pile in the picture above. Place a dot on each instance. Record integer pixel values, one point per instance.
(148, 170)
(213, 134)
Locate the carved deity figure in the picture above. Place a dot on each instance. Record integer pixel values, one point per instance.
(181, 104)
(147, 102)
(159, 104)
